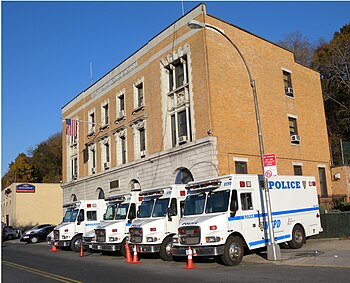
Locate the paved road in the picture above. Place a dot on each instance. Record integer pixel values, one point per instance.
(36, 263)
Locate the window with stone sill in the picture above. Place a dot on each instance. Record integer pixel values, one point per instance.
(120, 99)
(288, 88)
(139, 98)
(104, 117)
(91, 123)
(121, 148)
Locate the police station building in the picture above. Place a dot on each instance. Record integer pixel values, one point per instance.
(181, 108)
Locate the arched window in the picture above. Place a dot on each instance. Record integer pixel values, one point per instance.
(134, 185)
(101, 193)
(183, 176)
(73, 197)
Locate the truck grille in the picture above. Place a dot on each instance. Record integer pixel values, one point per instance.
(56, 235)
(87, 239)
(135, 235)
(190, 235)
(100, 235)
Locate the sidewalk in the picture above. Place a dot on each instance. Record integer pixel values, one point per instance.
(316, 252)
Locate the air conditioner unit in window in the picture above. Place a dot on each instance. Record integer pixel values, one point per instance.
(91, 131)
(75, 176)
(143, 153)
(121, 114)
(106, 165)
(295, 138)
(289, 91)
(93, 170)
(182, 139)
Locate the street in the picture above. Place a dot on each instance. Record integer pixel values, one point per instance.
(36, 263)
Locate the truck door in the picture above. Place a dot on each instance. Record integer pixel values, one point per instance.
(251, 218)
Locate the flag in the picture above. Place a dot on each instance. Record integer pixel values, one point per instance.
(71, 127)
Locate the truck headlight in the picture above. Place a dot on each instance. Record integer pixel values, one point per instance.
(151, 239)
(112, 239)
(212, 239)
(175, 240)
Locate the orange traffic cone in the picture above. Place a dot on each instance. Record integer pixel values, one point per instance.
(127, 252)
(190, 264)
(81, 249)
(53, 248)
(134, 259)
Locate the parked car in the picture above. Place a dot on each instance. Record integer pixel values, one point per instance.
(37, 235)
(9, 233)
(36, 228)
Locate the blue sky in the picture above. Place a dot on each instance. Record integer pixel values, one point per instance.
(47, 48)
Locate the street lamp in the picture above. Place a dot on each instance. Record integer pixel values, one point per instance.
(273, 250)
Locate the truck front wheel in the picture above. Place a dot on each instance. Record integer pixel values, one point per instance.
(298, 237)
(165, 249)
(75, 243)
(233, 251)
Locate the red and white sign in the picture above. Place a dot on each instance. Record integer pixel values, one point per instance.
(270, 165)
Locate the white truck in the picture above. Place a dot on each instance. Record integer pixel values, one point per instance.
(80, 217)
(224, 215)
(157, 220)
(111, 234)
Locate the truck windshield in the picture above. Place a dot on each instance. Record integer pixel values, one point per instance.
(110, 211)
(146, 208)
(70, 215)
(194, 204)
(122, 211)
(217, 201)
(160, 207)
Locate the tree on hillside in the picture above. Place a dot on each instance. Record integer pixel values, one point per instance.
(47, 159)
(21, 170)
(301, 47)
(332, 60)
(44, 164)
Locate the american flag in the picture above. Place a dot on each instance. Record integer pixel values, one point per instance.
(71, 127)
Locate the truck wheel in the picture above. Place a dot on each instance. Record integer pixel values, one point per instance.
(122, 248)
(34, 240)
(298, 237)
(165, 249)
(75, 243)
(233, 251)
(9, 237)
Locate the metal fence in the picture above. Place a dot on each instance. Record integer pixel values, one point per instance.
(335, 225)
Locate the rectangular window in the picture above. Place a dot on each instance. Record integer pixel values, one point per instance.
(298, 170)
(114, 185)
(246, 201)
(92, 123)
(139, 95)
(323, 183)
(91, 215)
(121, 103)
(173, 130)
(179, 74)
(182, 123)
(142, 139)
(107, 152)
(105, 114)
(241, 167)
(287, 78)
(293, 130)
(123, 149)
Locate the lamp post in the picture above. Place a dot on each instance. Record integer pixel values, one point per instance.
(273, 250)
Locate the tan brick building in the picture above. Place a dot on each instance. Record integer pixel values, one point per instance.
(181, 107)
(24, 205)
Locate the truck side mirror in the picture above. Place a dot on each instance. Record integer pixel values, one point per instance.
(234, 205)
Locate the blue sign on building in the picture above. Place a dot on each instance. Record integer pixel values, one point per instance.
(25, 188)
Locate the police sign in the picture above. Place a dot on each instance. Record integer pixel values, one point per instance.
(284, 184)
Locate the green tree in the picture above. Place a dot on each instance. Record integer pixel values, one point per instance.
(47, 159)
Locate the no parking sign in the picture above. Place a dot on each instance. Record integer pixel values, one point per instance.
(270, 165)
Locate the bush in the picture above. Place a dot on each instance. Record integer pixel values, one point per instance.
(343, 206)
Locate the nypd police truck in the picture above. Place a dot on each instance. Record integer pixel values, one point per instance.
(224, 215)
(111, 234)
(80, 217)
(157, 220)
